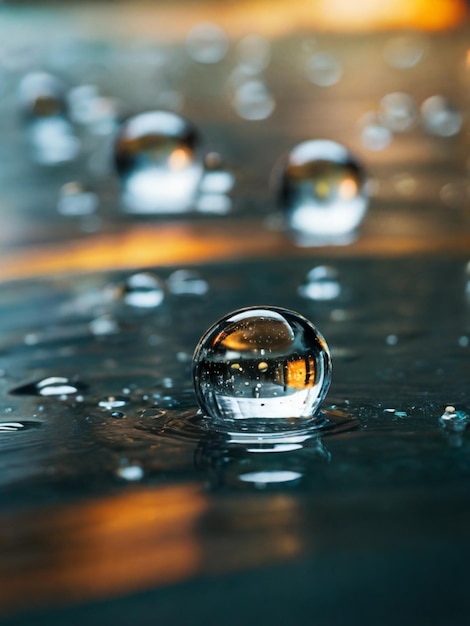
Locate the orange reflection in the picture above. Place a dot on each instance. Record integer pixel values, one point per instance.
(348, 189)
(179, 159)
(102, 548)
(300, 374)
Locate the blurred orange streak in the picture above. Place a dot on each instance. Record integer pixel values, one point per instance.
(101, 548)
(170, 244)
(272, 18)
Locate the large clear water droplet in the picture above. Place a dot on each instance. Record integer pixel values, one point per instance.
(322, 192)
(261, 363)
(157, 156)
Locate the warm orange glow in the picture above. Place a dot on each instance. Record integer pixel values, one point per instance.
(301, 373)
(271, 18)
(179, 159)
(348, 189)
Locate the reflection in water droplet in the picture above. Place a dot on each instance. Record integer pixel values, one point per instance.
(76, 199)
(321, 284)
(14, 427)
(143, 290)
(207, 43)
(187, 282)
(157, 158)
(269, 477)
(440, 117)
(324, 69)
(113, 402)
(51, 386)
(253, 101)
(130, 472)
(323, 192)
(398, 111)
(42, 100)
(453, 420)
(404, 51)
(261, 363)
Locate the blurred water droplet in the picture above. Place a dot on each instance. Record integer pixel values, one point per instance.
(103, 325)
(453, 420)
(131, 472)
(455, 195)
(322, 192)
(118, 415)
(165, 402)
(404, 183)
(398, 111)
(464, 341)
(391, 340)
(404, 51)
(324, 69)
(321, 284)
(76, 199)
(113, 402)
(87, 107)
(253, 101)
(14, 427)
(253, 53)
(374, 135)
(269, 477)
(440, 117)
(214, 204)
(157, 156)
(187, 282)
(51, 386)
(143, 291)
(207, 43)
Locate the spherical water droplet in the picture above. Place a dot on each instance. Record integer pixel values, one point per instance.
(321, 284)
(398, 111)
(440, 117)
(391, 340)
(324, 69)
(76, 199)
(143, 290)
(157, 156)
(323, 190)
(187, 282)
(262, 363)
(207, 43)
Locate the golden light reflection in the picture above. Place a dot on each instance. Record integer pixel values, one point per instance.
(300, 374)
(179, 159)
(347, 189)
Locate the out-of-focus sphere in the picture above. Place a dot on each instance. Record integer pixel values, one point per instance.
(263, 363)
(322, 190)
(157, 156)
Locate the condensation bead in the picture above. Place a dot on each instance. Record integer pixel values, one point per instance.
(262, 363)
(322, 191)
(157, 156)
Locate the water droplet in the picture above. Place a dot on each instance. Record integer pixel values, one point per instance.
(42, 95)
(157, 156)
(324, 69)
(76, 199)
(440, 117)
(464, 341)
(187, 282)
(321, 284)
(131, 472)
(253, 101)
(87, 107)
(253, 53)
(391, 340)
(14, 427)
(453, 420)
(270, 477)
(375, 135)
(103, 325)
(207, 43)
(51, 386)
(398, 111)
(118, 415)
(323, 191)
(405, 51)
(404, 183)
(113, 402)
(279, 353)
(143, 290)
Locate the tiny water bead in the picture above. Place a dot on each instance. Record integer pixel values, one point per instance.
(157, 157)
(321, 284)
(76, 199)
(261, 363)
(143, 290)
(322, 191)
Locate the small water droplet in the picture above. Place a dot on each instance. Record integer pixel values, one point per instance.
(113, 402)
(322, 192)
(103, 325)
(157, 156)
(441, 117)
(76, 199)
(279, 353)
(253, 101)
(405, 51)
(131, 472)
(391, 340)
(14, 427)
(118, 415)
(51, 386)
(454, 420)
(375, 135)
(321, 284)
(464, 341)
(398, 111)
(324, 69)
(207, 43)
(263, 478)
(253, 53)
(143, 290)
(184, 282)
